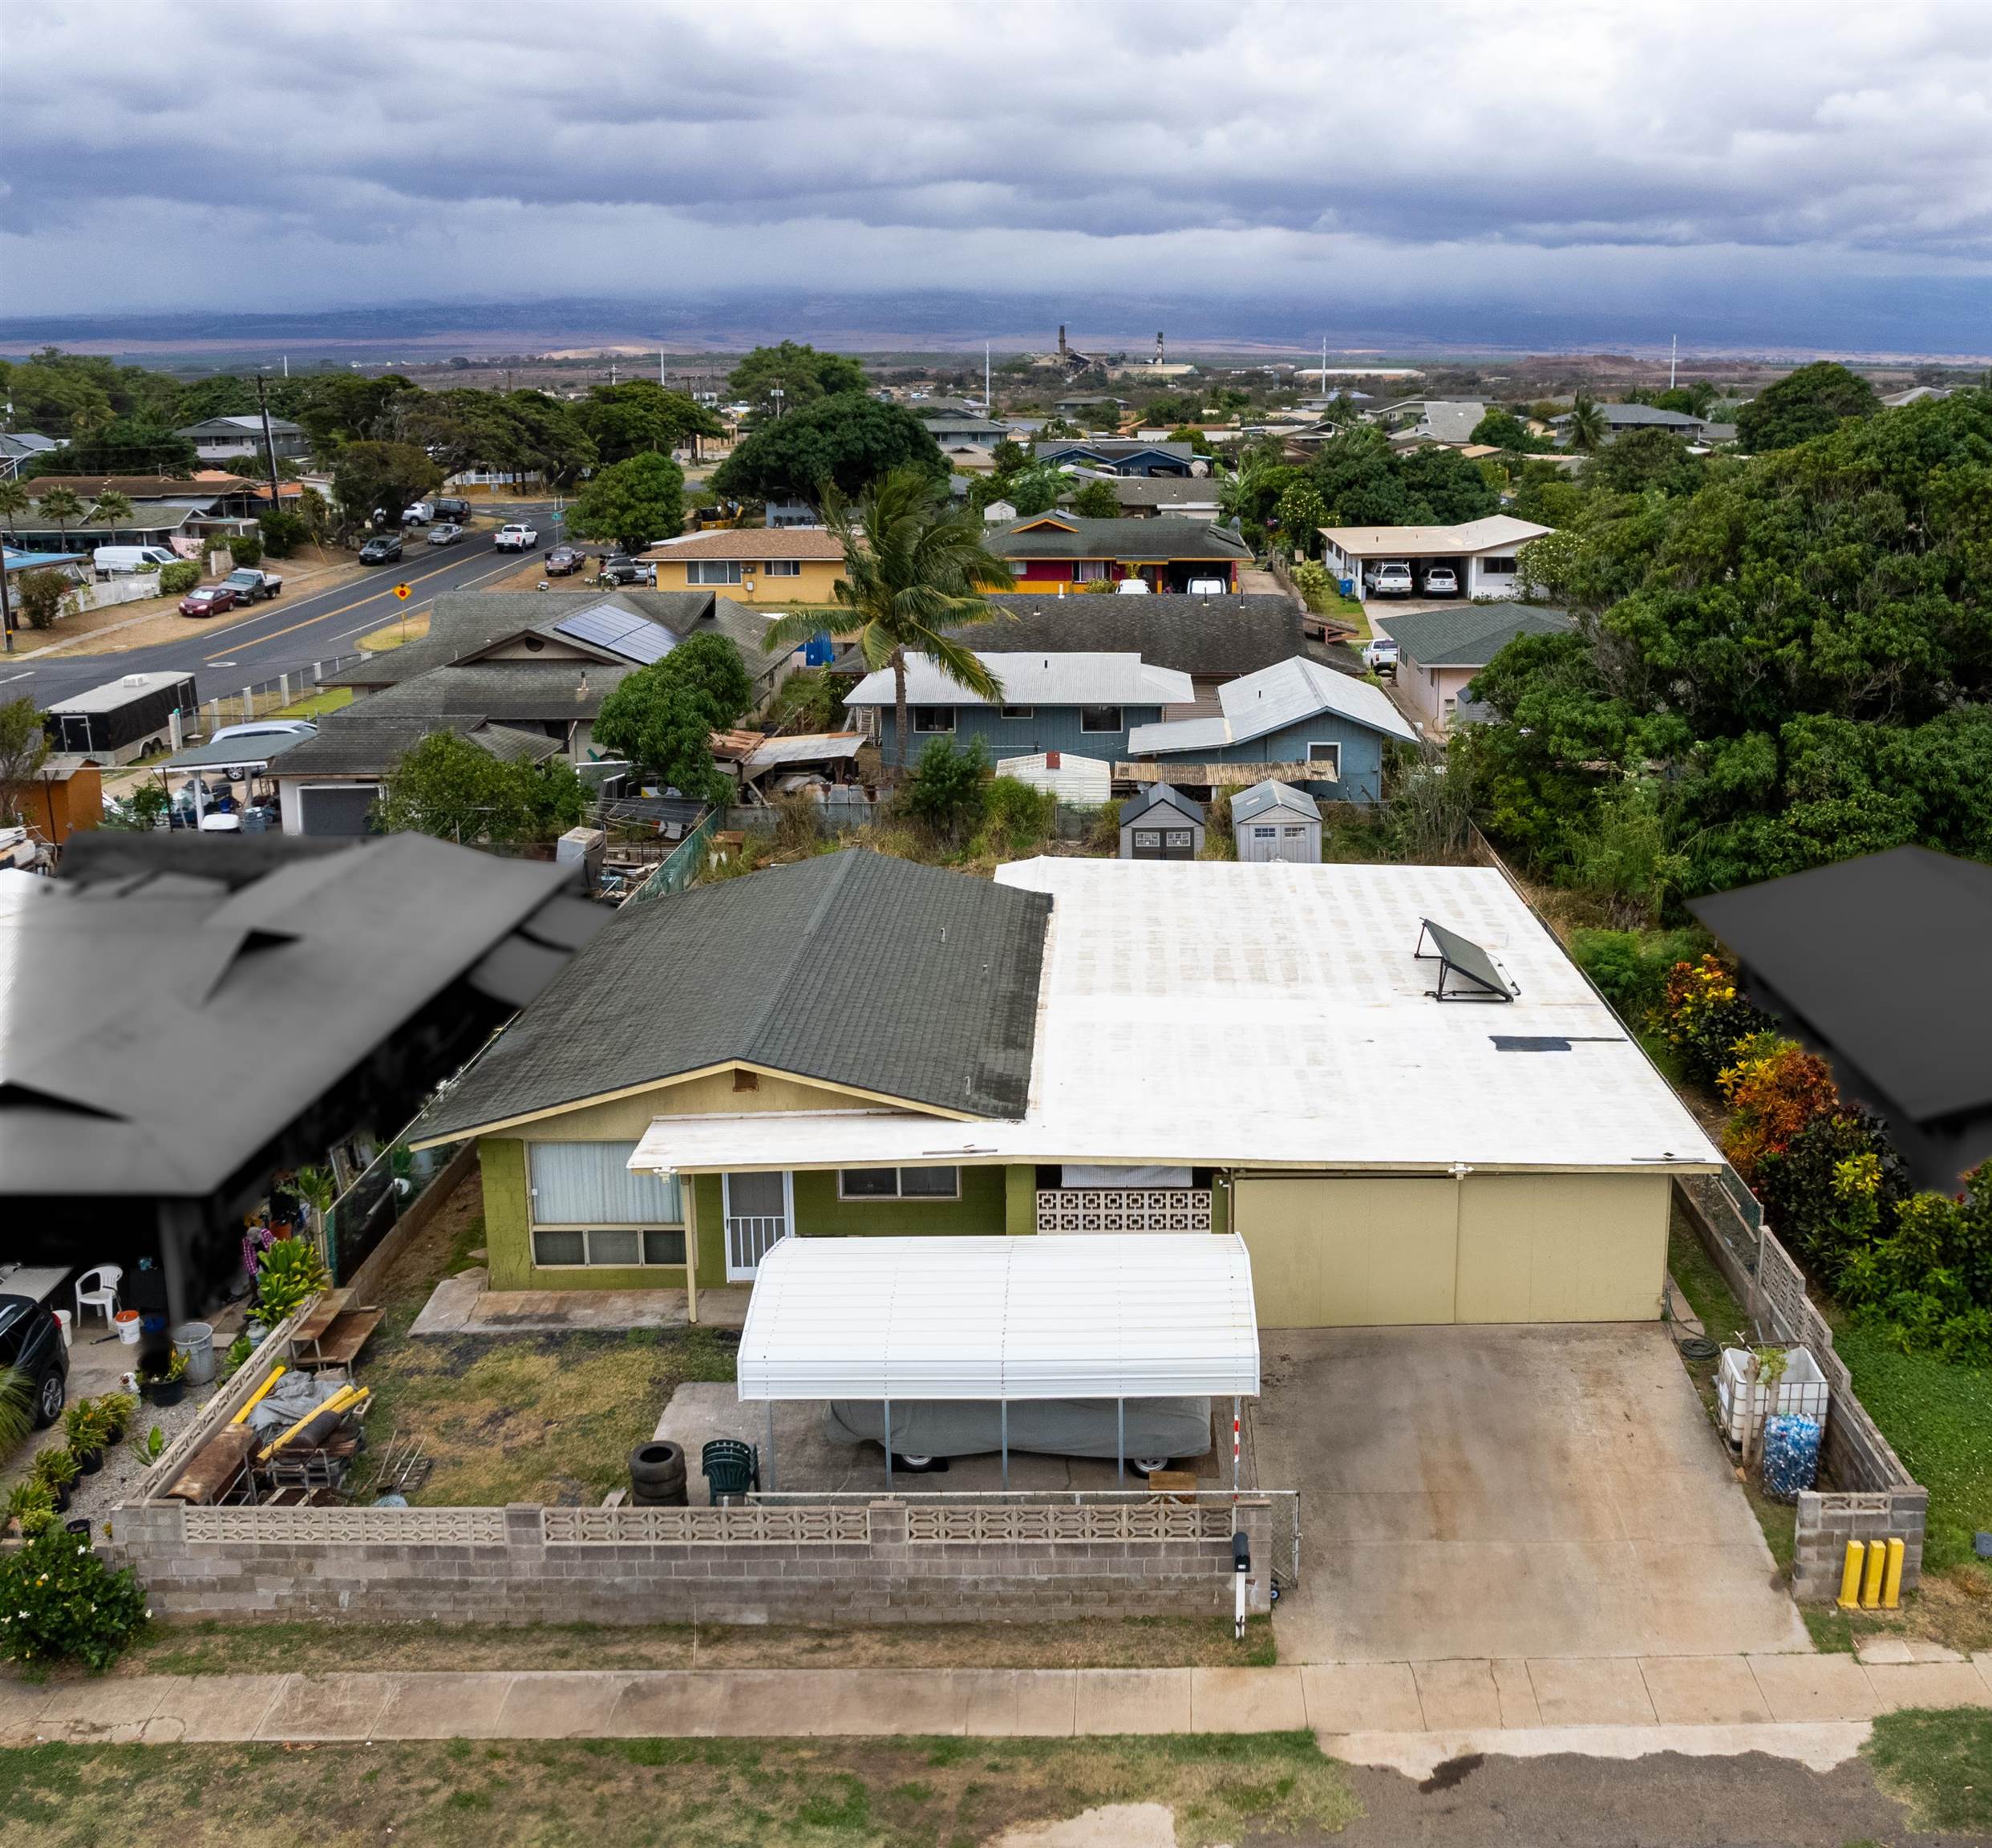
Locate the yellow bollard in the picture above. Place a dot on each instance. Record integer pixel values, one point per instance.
(1850, 1576)
(1871, 1582)
(1892, 1584)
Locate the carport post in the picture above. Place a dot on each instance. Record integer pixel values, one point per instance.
(1120, 1440)
(887, 1404)
(1003, 1421)
(1235, 1408)
(771, 1446)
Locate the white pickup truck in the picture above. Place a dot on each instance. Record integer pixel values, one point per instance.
(517, 537)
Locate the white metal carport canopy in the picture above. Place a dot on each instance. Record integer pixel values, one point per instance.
(1133, 1315)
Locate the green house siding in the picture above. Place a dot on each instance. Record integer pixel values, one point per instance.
(709, 1207)
(508, 1236)
(821, 1214)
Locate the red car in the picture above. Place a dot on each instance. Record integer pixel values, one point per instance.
(207, 599)
(564, 561)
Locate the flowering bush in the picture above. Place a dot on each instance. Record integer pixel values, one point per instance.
(1775, 1089)
(58, 1601)
(1705, 1014)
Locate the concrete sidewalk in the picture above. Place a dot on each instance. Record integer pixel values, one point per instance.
(465, 1304)
(1814, 1708)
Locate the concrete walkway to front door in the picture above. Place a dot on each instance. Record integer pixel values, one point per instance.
(1505, 1493)
(465, 1304)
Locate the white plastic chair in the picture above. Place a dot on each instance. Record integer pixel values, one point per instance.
(98, 1289)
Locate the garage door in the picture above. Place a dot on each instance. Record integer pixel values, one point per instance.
(1361, 1252)
(338, 808)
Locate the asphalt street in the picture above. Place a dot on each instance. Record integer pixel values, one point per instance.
(287, 636)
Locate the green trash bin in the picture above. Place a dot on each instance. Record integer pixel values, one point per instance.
(731, 1468)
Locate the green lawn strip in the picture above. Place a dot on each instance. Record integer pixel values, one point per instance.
(1939, 1763)
(1938, 1418)
(664, 1792)
(317, 705)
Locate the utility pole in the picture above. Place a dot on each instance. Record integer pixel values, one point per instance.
(988, 401)
(663, 383)
(1674, 361)
(269, 444)
(7, 605)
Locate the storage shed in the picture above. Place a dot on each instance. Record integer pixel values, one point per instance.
(1161, 824)
(1277, 821)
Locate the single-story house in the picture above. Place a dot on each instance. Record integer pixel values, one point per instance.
(1166, 553)
(1298, 722)
(1078, 403)
(855, 1045)
(1276, 822)
(1480, 553)
(957, 430)
(753, 564)
(188, 514)
(1620, 418)
(1122, 455)
(1084, 703)
(223, 439)
(152, 1090)
(1438, 651)
(19, 446)
(1879, 964)
(1161, 823)
(1448, 423)
(1149, 496)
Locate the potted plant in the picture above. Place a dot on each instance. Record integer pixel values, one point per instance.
(30, 1507)
(85, 1425)
(119, 1409)
(56, 1469)
(166, 1384)
(288, 1275)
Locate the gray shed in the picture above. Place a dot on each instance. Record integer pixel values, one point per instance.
(1161, 824)
(1275, 821)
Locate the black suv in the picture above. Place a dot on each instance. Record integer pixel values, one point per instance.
(383, 548)
(31, 1343)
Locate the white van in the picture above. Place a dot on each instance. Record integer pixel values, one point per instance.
(1131, 587)
(112, 561)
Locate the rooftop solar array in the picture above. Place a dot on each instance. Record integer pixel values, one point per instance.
(1476, 976)
(621, 631)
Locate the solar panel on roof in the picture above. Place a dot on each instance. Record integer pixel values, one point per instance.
(1478, 977)
(635, 637)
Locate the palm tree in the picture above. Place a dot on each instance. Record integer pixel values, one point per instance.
(109, 508)
(61, 505)
(14, 501)
(913, 570)
(1587, 425)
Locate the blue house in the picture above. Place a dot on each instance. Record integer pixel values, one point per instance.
(1089, 704)
(1297, 713)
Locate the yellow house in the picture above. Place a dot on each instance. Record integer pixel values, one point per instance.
(753, 564)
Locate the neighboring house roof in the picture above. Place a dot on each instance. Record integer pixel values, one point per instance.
(1131, 541)
(1469, 636)
(509, 690)
(1445, 421)
(1160, 795)
(146, 980)
(361, 743)
(1883, 959)
(905, 981)
(1269, 701)
(1914, 394)
(1114, 448)
(802, 747)
(1307, 1038)
(1037, 679)
(202, 491)
(24, 443)
(1167, 491)
(1718, 433)
(251, 426)
(754, 543)
(1631, 416)
(939, 425)
(1497, 532)
(1264, 798)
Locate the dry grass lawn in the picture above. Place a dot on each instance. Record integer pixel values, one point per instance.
(660, 1792)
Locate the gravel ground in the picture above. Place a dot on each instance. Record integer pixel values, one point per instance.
(95, 1496)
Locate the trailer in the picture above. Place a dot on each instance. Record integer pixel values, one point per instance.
(124, 719)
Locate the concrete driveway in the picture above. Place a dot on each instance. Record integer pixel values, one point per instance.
(1509, 1492)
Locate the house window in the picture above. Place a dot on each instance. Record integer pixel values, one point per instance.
(899, 1184)
(631, 1246)
(1018, 712)
(1090, 571)
(1328, 754)
(783, 567)
(934, 718)
(712, 571)
(1497, 567)
(1292, 833)
(1265, 833)
(1100, 719)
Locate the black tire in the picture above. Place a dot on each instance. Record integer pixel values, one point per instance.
(657, 1465)
(51, 1393)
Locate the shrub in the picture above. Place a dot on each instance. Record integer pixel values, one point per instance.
(57, 1468)
(288, 1274)
(1704, 1015)
(30, 1507)
(59, 1602)
(1104, 836)
(1630, 967)
(1017, 820)
(282, 533)
(86, 1427)
(246, 550)
(239, 1351)
(1775, 1090)
(41, 596)
(946, 789)
(179, 577)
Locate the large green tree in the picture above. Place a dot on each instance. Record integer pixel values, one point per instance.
(663, 715)
(447, 786)
(1804, 404)
(801, 373)
(842, 442)
(387, 476)
(634, 503)
(24, 749)
(914, 571)
(639, 415)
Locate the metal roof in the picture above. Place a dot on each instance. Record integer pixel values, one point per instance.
(1129, 1315)
(253, 752)
(1497, 532)
(1263, 798)
(1048, 680)
(805, 747)
(114, 694)
(1260, 704)
(1469, 635)
(850, 968)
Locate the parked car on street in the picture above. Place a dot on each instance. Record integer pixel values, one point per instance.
(31, 1344)
(628, 571)
(1391, 578)
(253, 586)
(445, 532)
(1380, 651)
(564, 560)
(419, 515)
(1440, 580)
(517, 537)
(382, 549)
(256, 730)
(443, 508)
(116, 561)
(208, 600)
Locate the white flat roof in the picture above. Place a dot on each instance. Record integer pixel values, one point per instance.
(1212, 1014)
(1134, 1316)
(1496, 532)
(1036, 679)
(1275, 697)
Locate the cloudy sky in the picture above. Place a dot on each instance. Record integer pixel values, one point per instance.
(1673, 158)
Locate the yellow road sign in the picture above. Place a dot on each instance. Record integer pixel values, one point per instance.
(404, 591)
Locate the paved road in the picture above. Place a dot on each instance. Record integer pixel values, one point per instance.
(285, 637)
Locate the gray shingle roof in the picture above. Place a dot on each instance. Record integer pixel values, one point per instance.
(1206, 635)
(505, 690)
(1137, 540)
(1160, 795)
(850, 968)
(1469, 636)
(362, 744)
(1263, 798)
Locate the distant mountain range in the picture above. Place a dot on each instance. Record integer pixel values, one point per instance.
(1922, 318)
